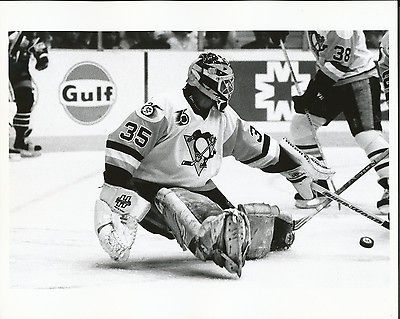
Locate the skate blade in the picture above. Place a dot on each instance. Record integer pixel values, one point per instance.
(383, 210)
(27, 154)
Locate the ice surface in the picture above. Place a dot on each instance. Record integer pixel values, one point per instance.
(57, 268)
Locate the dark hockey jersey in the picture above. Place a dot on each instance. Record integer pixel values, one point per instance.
(22, 44)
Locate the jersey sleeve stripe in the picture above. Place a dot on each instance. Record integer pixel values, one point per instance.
(112, 145)
(272, 156)
(362, 73)
(306, 147)
(264, 151)
(340, 67)
(127, 163)
(122, 158)
(332, 72)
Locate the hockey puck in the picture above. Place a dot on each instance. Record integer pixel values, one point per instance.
(366, 242)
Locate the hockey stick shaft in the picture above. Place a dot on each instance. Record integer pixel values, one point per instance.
(296, 83)
(313, 131)
(297, 224)
(337, 198)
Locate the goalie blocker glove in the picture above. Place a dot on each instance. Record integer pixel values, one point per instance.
(310, 170)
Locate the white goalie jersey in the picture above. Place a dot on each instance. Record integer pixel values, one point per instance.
(166, 142)
(342, 55)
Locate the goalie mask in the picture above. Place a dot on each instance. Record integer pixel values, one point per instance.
(213, 76)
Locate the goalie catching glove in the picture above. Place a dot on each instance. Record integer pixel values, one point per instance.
(310, 169)
(116, 217)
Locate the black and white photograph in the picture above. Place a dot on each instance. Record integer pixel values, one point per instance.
(199, 159)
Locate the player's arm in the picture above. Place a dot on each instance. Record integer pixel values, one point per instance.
(119, 208)
(39, 49)
(128, 145)
(383, 63)
(259, 150)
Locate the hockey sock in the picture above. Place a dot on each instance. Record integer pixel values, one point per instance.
(302, 134)
(21, 125)
(374, 144)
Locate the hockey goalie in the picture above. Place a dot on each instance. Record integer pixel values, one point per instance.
(159, 165)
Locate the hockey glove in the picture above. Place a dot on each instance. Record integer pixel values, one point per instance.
(116, 217)
(310, 170)
(277, 36)
(42, 63)
(315, 95)
(40, 52)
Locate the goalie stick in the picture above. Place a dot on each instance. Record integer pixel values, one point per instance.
(335, 197)
(297, 224)
(313, 131)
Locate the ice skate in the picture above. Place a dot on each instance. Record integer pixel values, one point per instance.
(14, 155)
(383, 203)
(302, 203)
(25, 147)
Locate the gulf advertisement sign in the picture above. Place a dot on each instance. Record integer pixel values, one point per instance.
(87, 93)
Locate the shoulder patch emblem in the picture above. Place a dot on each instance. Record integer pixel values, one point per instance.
(182, 118)
(148, 109)
(150, 112)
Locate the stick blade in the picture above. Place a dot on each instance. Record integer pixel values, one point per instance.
(386, 224)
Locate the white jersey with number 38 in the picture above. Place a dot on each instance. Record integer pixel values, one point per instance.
(342, 55)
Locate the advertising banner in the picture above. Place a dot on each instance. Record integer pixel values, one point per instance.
(89, 92)
(86, 92)
(263, 84)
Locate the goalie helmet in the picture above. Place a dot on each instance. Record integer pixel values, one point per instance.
(213, 76)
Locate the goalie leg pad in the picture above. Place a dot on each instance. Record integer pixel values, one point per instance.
(202, 226)
(233, 242)
(180, 219)
(270, 229)
(261, 218)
